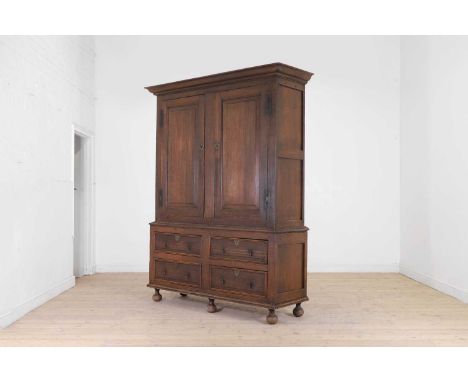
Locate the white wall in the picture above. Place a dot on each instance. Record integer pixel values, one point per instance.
(47, 84)
(434, 162)
(352, 140)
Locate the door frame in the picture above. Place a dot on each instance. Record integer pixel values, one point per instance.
(89, 236)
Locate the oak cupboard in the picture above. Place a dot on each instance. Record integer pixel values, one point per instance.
(230, 188)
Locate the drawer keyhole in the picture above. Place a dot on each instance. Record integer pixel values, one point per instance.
(251, 285)
(187, 276)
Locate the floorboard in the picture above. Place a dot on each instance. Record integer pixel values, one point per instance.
(345, 309)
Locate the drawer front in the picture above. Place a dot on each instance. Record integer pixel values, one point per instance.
(184, 244)
(238, 280)
(178, 272)
(239, 249)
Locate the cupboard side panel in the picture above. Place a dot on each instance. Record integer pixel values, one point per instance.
(290, 156)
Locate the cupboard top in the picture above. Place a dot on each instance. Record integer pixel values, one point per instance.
(254, 72)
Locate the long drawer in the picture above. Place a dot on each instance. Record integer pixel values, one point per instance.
(183, 244)
(239, 249)
(240, 280)
(178, 272)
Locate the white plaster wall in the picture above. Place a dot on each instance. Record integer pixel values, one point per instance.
(352, 139)
(434, 161)
(47, 84)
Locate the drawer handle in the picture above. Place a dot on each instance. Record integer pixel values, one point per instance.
(236, 272)
(251, 285)
(177, 238)
(236, 242)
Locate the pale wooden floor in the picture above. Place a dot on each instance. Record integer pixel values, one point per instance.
(344, 310)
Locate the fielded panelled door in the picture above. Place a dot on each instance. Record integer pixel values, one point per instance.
(180, 180)
(241, 128)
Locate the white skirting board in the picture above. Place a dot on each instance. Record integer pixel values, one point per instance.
(121, 268)
(443, 287)
(33, 303)
(353, 268)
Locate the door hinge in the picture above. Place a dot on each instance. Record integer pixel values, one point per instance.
(161, 118)
(269, 104)
(160, 198)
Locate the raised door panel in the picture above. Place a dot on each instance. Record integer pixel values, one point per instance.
(180, 195)
(241, 156)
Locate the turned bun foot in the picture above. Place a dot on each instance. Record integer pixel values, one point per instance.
(211, 306)
(271, 318)
(298, 311)
(183, 294)
(157, 296)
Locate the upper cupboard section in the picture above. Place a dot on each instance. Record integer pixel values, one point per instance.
(230, 148)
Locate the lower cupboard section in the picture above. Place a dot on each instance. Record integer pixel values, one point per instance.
(267, 269)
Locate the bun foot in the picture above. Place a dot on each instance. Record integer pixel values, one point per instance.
(211, 306)
(157, 296)
(183, 294)
(271, 318)
(298, 311)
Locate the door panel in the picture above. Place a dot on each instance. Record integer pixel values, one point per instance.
(241, 157)
(181, 167)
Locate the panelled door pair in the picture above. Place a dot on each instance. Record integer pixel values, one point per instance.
(212, 157)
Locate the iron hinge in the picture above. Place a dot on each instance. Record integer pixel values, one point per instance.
(161, 118)
(267, 199)
(160, 198)
(269, 104)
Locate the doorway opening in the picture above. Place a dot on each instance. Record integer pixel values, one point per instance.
(83, 204)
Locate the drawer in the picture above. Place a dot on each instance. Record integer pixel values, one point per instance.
(239, 249)
(171, 242)
(178, 272)
(238, 280)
